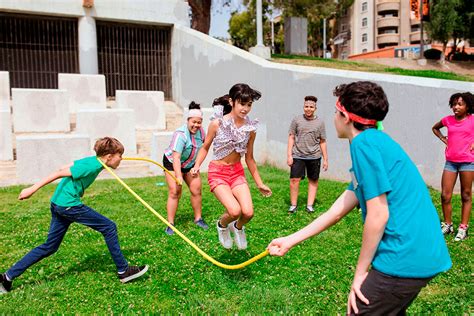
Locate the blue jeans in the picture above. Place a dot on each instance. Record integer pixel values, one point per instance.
(61, 218)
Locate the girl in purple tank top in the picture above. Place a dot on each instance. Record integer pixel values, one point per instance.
(232, 134)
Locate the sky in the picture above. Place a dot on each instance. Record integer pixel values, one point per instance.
(220, 16)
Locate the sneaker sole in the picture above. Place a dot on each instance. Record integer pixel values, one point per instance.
(133, 277)
(3, 290)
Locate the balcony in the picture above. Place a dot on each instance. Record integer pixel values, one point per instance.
(387, 38)
(388, 22)
(414, 22)
(388, 5)
(415, 36)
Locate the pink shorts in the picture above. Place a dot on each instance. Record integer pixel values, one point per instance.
(231, 175)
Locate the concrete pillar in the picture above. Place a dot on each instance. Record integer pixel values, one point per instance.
(88, 54)
(259, 49)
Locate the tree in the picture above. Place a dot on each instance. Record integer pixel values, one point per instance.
(201, 15)
(443, 22)
(201, 12)
(315, 11)
(243, 25)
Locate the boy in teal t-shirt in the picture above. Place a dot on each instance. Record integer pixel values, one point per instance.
(399, 217)
(67, 208)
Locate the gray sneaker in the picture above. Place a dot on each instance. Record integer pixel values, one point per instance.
(224, 236)
(292, 208)
(201, 223)
(239, 236)
(309, 209)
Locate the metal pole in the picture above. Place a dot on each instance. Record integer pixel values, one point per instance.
(259, 23)
(421, 31)
(273, 36)
(324, 38)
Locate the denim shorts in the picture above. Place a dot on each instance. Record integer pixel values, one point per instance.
(458, 166)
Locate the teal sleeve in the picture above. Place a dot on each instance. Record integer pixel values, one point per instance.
(371, 173)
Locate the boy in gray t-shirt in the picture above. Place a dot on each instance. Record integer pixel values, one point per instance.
(306, 146)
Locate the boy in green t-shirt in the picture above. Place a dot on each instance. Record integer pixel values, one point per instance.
(67, 208)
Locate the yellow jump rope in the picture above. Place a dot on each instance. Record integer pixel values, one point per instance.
(151, 209)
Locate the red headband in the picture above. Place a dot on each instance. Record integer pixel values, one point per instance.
(355, 117)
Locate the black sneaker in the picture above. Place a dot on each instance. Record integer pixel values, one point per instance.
(5, 285)
(132, 273)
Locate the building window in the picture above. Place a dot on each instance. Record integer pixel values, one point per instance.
(364, 50)
(364, 37)
(364, 6)
(364, 22)
(344, 27)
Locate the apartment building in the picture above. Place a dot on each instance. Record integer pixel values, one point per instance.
(370, 25)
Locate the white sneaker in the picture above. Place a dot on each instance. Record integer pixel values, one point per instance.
(224, 236)
(461, 235)
(239, 236)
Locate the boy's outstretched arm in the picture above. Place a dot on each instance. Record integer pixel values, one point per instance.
(374, 227)
(343, 205)
(61, 173)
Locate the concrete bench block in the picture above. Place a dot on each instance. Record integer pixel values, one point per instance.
(4, 90)
(159, 142)
(6, 147)
(40, 155)
(40, 110)
(85, 91)
(149, 107)
(118, 123)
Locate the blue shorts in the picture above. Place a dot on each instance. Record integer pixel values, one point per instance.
(458, 166)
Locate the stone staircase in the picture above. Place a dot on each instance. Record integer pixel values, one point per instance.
(127, 169)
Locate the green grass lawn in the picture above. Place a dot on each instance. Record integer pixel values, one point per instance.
(313, 278)
(367, 67)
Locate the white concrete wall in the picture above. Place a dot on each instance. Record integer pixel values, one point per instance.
(40, 110)
(84, 91)
(151, 11)
(40, 155)
(4, 90)
(415, 103)
(149, 107)
(118, 123)
(6, 147)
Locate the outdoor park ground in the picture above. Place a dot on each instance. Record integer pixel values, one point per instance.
(313, 278)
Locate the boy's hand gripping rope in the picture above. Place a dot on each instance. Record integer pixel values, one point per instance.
(151, 209)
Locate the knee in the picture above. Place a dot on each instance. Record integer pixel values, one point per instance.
(234, 212)
(195, 192)
(466, 196)
(175, 193)
(295, 181)
(111, 228)
(446, 197)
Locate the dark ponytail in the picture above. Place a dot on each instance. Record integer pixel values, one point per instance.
(224, 101)
(194, 105)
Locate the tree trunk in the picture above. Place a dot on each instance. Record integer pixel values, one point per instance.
(201, 15)
(442, 57)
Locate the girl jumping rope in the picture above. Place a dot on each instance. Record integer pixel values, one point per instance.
(232, 133)
(179, 157)
(459, 160)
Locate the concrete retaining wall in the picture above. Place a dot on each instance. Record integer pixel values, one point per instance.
(415, 103)
(118, 123)
(40, 155)
(40, 110)
(149, 107)
(84, 91)
(4, 90)
(6, 148)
